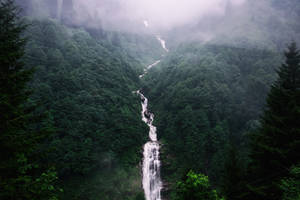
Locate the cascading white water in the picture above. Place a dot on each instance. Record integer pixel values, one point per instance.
(152, 183)
(149, 67)
(146, 23)
(162, 42)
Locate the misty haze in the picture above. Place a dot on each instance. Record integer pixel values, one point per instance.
(149, 99)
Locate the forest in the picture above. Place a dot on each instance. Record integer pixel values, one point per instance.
(226, 109)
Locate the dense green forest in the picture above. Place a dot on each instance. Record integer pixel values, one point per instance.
(227, 111)
(85, 86)
(82, 86)
(209, 100)
(89, 102)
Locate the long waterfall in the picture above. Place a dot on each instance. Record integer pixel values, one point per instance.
(152, 183)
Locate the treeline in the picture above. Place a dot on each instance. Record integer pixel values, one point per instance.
(208, 101)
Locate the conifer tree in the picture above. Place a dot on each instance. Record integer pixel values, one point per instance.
(21, 174)
(275, 147)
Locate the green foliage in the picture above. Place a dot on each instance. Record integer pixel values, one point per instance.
(196, 187)
(291, 185)
(204, 98)
(86, 84)
(22, 174)
(275, 147)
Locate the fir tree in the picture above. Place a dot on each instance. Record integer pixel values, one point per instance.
(21, 173)
(275, 147)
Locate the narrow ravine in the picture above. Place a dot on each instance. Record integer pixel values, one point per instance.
(152, 183)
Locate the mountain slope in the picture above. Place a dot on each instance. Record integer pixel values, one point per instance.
(85, 85)
(207, 97)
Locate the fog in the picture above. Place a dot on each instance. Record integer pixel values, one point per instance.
(160, 14)
(225, 21)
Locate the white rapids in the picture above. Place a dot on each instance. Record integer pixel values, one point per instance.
(146, 23)
(163, 43)
(149, 67)
(152, 183)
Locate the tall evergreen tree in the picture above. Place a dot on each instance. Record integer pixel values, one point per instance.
(21, 174)
(276, 146)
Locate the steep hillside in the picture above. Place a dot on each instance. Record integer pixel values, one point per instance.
(85, 85)
(208, 92)
(206, 99)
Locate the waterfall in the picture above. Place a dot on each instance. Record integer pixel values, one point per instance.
(152, 183)
(149, 67)
(59, 9)
(163, 43)
(146, 23)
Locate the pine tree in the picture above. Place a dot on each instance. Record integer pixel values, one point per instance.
(21, 174)
(276, 146)
(13, 77)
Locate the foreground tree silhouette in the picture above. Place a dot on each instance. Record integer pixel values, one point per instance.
(275, 147)
(21, 174)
